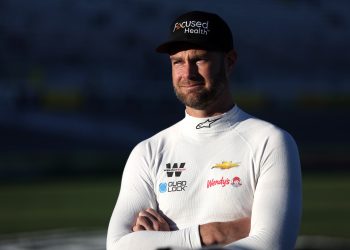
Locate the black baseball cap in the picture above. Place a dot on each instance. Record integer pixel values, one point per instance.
(198, 29)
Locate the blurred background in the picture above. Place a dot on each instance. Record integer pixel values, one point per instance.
(81, 85)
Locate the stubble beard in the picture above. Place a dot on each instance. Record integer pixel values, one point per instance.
(203, 98)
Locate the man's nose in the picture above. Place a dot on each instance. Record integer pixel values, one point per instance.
(191, 70)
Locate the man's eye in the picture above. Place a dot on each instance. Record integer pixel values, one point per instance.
(176, 62)
(202, 60)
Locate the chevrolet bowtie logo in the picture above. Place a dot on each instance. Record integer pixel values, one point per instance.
(206, 124)
(226, 165)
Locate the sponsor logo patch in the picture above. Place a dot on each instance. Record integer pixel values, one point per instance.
(175, 168)
(163, 187)
(206, 124)
(218, 182)
(236, 182)
(224, 182)
(192, 27)
(172, 186)
(226, 165)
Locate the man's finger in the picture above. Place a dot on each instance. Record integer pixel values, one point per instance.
(156, 215)
(151, 219)
(143, 222)
(137, 228)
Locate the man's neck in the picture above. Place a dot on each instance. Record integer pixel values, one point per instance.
(212, 110)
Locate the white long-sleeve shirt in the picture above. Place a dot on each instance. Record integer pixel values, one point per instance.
(203, 170)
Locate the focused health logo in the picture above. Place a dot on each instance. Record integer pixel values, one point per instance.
(193, 27)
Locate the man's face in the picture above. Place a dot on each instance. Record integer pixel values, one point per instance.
(199, 77)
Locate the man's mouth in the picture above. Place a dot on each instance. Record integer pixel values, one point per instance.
(192, 85)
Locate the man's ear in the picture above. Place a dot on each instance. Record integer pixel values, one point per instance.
(230, 60)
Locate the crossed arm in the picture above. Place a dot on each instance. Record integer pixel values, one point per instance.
(273, 224)
(215, 233)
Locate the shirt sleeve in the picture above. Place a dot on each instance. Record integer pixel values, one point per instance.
(136, 194)
(276, 211)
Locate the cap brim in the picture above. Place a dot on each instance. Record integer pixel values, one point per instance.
(173, 46)
(165, 47)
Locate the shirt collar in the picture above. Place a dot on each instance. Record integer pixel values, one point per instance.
(212, 124)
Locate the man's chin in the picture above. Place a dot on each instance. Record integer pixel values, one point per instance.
(193, 99)
(196, 105)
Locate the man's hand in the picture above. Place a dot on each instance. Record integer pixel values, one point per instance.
(150, 220)
(223, 233)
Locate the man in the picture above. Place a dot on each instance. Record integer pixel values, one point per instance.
(219, 177)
